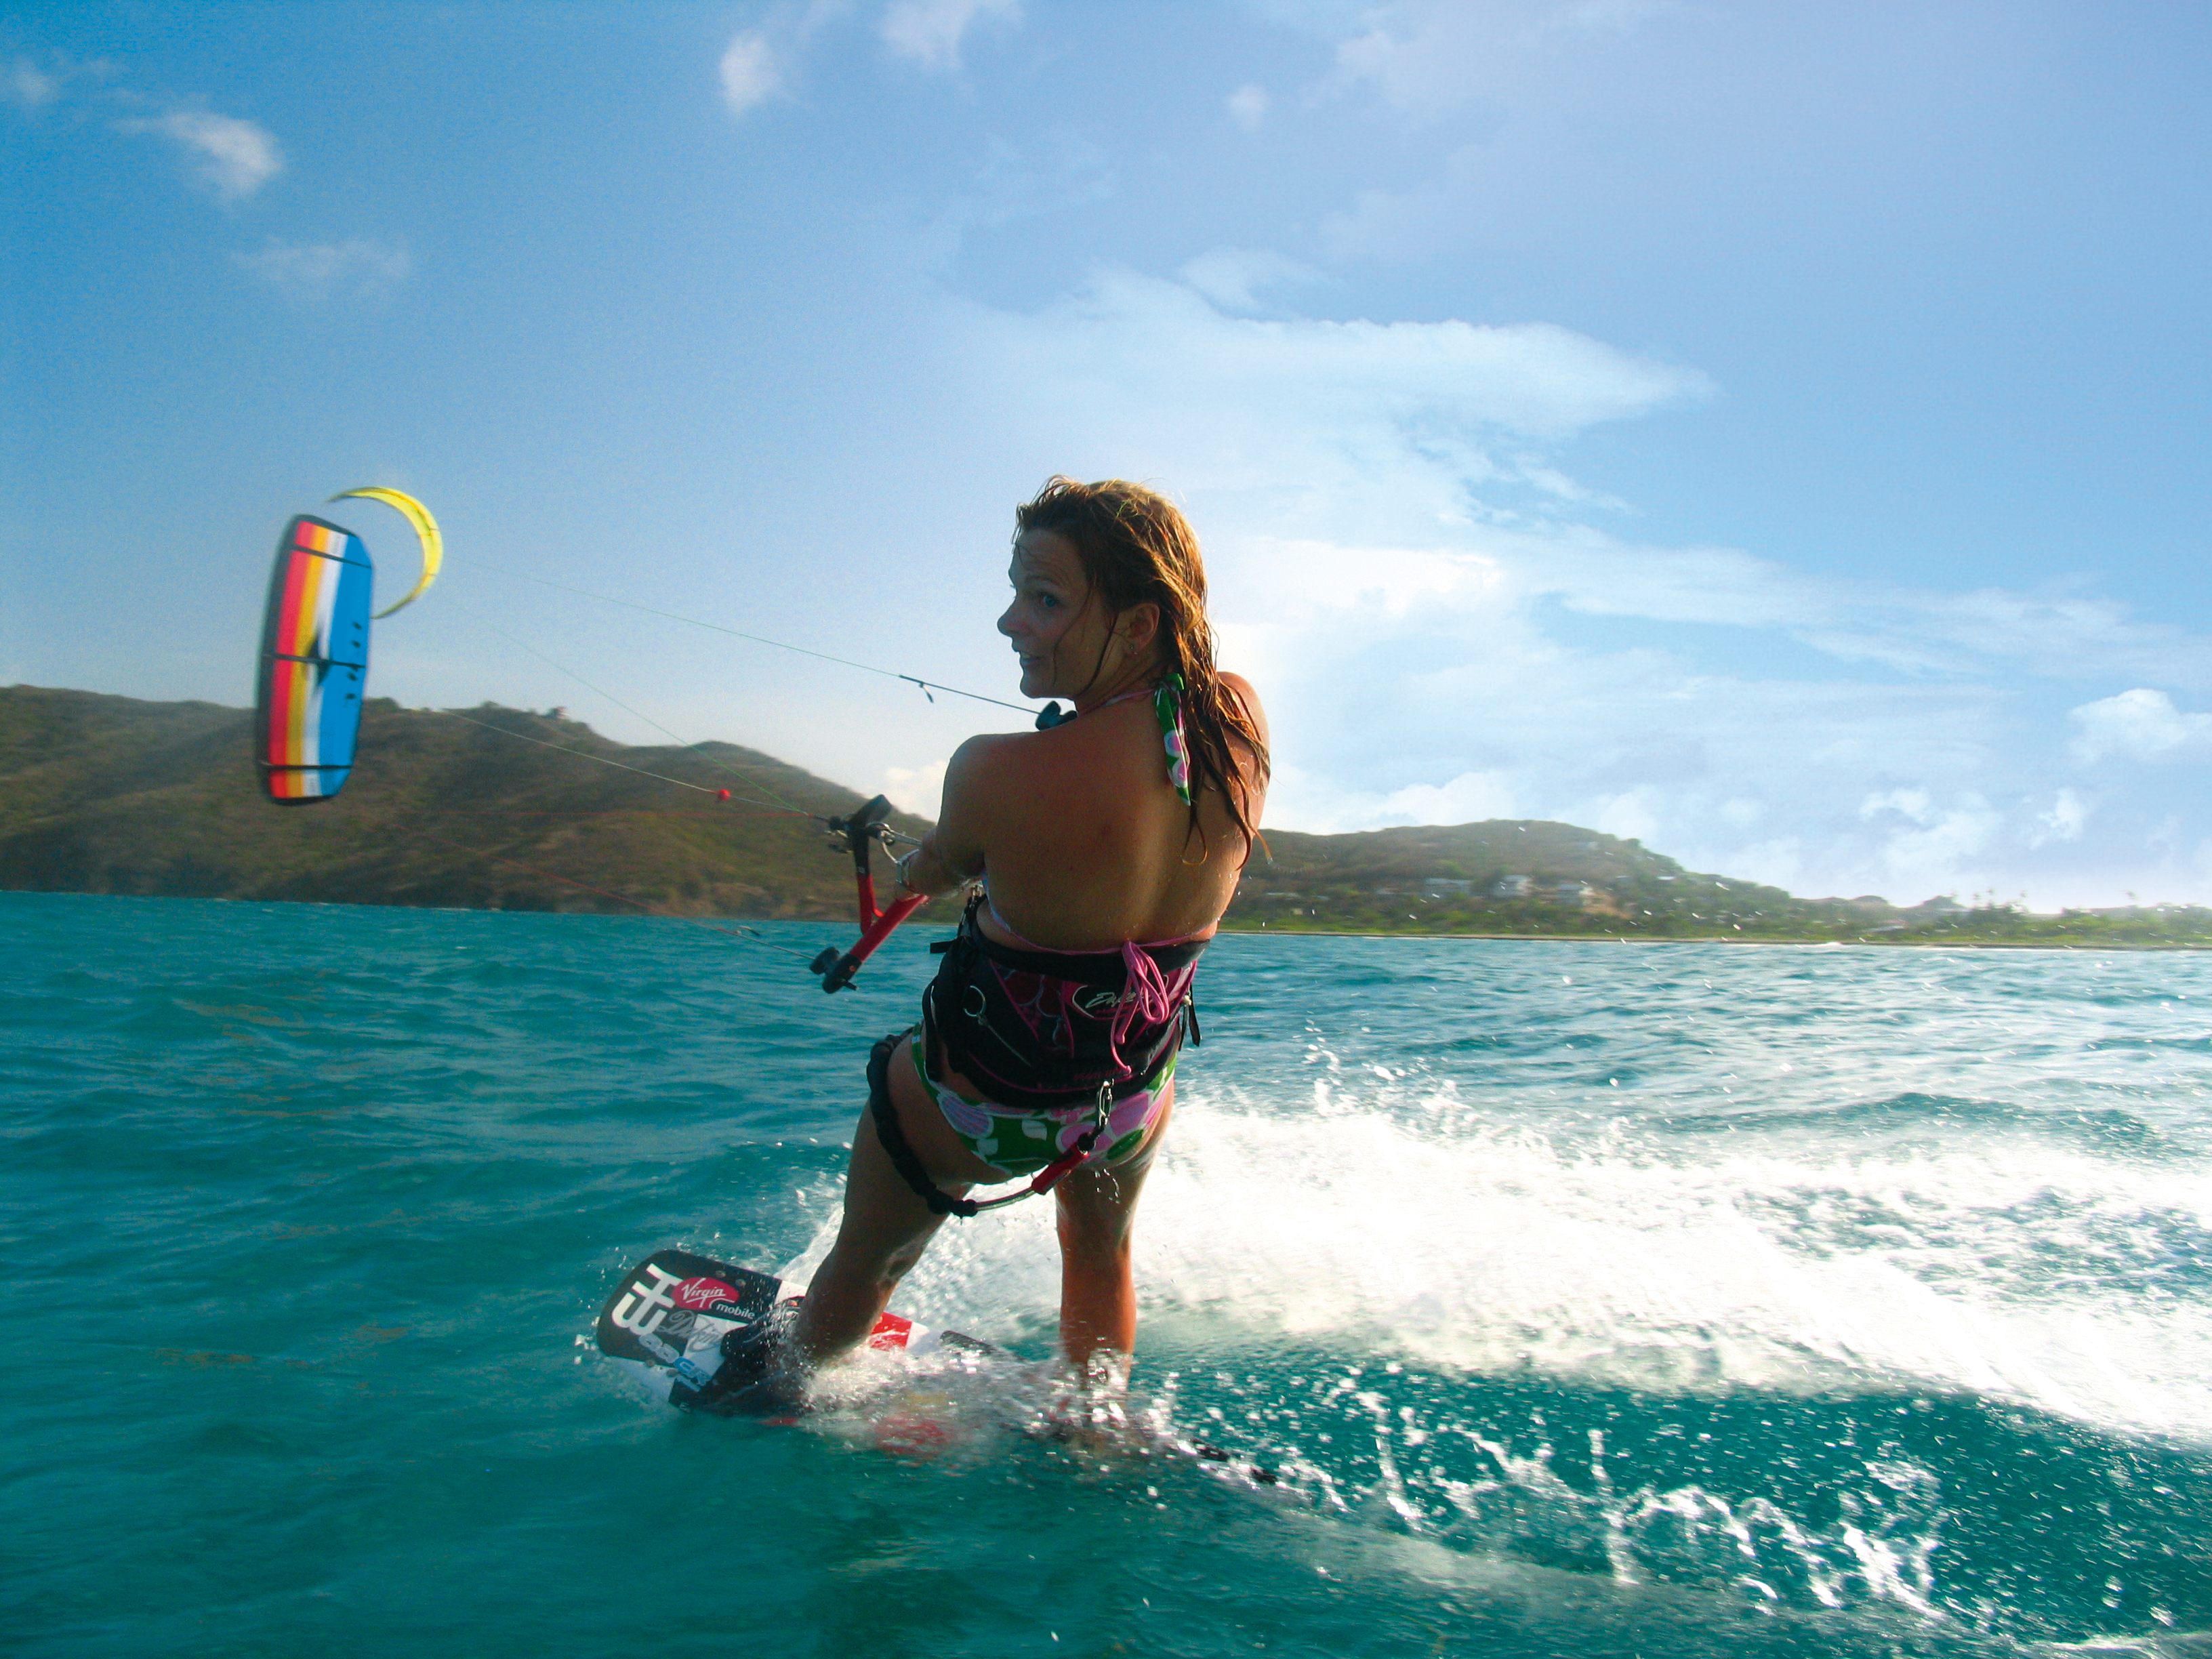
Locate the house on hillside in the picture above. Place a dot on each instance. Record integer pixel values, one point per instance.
(1511, 887)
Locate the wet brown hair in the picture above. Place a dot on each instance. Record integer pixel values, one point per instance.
(1136, 548)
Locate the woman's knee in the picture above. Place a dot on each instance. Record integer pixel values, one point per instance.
(1091, 1225)
(873, 1263)
(905, 1258)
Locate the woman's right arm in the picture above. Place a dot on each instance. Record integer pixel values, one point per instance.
(952, 855)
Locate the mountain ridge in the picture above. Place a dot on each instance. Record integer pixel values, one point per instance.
(102, 793)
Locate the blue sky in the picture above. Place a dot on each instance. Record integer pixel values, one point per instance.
(1775, 431)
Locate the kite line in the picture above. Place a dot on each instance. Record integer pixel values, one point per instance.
(927, 686)
(311, 686)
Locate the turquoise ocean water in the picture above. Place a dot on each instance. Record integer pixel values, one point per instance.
(1591, 1299)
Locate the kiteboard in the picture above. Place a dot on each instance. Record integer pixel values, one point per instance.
(666, 1322)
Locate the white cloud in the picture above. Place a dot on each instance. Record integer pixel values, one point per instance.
(919, 789)
(1530, 108)
(930, 30)
(1467, 798)
(1912, 804)
(233, 158)
(1393, 447)
(2067, 816)
(2054, 629)
(1234, 279)
(750, 70)
(27, 86)
(1776, 863)
(1248, 107)
(1429, 56)
(1631, 815)
(1160, 350)
(1313, 581)
(356, 267)
(2138, 724)
(764, 61)
(1402, 563)
(1927, 853)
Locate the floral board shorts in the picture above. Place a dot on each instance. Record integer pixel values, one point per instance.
(1019, 1144)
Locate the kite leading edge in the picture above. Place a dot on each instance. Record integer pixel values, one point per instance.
(426, 531)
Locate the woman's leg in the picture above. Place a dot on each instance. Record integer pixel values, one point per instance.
(1098, 1288)
(886, 1226)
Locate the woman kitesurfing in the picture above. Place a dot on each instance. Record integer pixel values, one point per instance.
(1103, 848)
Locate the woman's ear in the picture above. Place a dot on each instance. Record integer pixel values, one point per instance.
(1138, 626)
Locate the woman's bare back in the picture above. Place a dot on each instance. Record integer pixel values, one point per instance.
(1081, 838)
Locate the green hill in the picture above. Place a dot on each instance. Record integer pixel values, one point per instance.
(495, 808)
(1510, 877)
(103, 794)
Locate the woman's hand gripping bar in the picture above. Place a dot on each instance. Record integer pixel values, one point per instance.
(857, 832)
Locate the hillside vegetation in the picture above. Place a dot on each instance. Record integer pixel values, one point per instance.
(102, 794)
(1513, 876)
(493, 808)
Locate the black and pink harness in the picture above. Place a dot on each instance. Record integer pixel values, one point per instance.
(1041, 1030)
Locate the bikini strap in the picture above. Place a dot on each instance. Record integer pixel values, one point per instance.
(1167, 707)
(1102, 970)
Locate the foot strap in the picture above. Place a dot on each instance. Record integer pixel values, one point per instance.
(748, 1382)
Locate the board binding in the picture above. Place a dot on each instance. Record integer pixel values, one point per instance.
(667, 1320)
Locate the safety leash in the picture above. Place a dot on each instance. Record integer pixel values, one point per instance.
(909, 1167)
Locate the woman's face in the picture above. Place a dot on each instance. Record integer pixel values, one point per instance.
(1057, 632)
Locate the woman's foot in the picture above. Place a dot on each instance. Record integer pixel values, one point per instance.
(754, 1378)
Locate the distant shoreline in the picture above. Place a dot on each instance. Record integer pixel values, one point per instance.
(1720, 939)
(506, 809)
(1921, 944)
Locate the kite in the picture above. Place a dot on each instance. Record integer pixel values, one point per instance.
(314, 662)
(313, 668)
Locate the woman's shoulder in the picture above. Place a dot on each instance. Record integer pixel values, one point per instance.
(993, 760)
(987, 749)
(1241, 689)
